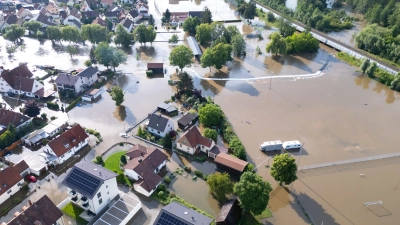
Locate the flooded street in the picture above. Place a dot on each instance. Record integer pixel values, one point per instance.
(340, 115)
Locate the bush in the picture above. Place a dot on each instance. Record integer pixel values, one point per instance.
(162, 187)
(187, 169)
(73, 104)
(123, 160)
(198, 173)
(149, 73)
(173, 97)
(167, 180)
(270, 17)
(44, 116)
(237, 148)
(121, 178)
(16, 200)
(172, 195)
(53, 106)
(99, 160)
(161, 194)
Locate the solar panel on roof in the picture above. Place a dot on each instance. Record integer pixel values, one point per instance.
(83, 182)
(166, 219)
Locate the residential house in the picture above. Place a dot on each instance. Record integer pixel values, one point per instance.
(11, 180)
(37, 1)
(187, 120)
(168, 109)
(38, 6)
(52, 10)
(69, 18)
(230, 164)
(112, 15)
(8, 7)
(127, 24)
(24, 14)
(217, 150)
(156, 67)
(40, 212)
(198, 14)
(106, 3)
(134, 15)
(92, 94)
(48, 131)
(89, 5)
(143, 9)
(100, 22)
(63, 147)
(54, 126)
(73, 22)
(230, 213)
(159, 125)
(90, 15)
(175, 213)
(193, 142)
(10, 117)
(69, 82)
(46, 21)
(8, 21)
(177, 18)
(88, 75)
(90, 186)
(116, 8)
(35, 138)
(75, 13)
(19, 81)
(143, 166)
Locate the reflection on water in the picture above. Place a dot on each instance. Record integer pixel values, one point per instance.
(120, 113)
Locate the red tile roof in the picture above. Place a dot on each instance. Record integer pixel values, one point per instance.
(11, 175)
(230, 161)
(70, 138)
(193, 137)
(155, 65)
(7, 117)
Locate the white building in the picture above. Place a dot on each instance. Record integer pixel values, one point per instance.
(193, 142)
(63, 147)
(69, 82)
(11, 180)
(10, 117)
(88, 75)
(159, 125)
(91, 186)
(143, 165)
(19, 81)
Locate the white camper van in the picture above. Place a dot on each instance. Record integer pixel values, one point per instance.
(271, 146)
(291, 144)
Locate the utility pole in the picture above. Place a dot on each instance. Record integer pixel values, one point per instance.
(301, 149)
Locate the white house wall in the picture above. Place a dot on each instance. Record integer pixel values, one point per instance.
(6, 195)
(36, 86)
(132, 174)
(185, 148)
(108, 191)
(142, 191)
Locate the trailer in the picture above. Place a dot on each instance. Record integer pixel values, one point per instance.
(291, 144)
(271, 145)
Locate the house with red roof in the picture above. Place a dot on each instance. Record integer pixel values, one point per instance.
(11, 180)
(20, 81)
(193, 142)
(63, 147)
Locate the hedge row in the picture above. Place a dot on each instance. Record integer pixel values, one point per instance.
(53, 106)
(73, 104)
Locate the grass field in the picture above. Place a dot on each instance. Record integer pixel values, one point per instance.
(112, 163)
(74, 212)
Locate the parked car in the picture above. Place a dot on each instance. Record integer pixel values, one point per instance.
(124, 135)
(31, 178)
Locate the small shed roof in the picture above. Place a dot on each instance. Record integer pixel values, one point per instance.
(186, 119)
(194, 46)
(218, 149)
(155, 65)
(167, 107)
(229, 213)
(230, 161)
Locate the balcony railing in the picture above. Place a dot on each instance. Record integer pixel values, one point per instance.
(86, 206)
(74, 199)
(84, 200)
(72, 193)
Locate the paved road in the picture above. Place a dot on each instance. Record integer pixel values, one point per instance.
(327, 40)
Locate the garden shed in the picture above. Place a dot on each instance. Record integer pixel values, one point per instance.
(194, 46)
(156, 67)
(230, 164)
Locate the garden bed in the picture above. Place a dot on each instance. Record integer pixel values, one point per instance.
(74, 212)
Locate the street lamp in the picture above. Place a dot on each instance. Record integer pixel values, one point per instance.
(301, 149)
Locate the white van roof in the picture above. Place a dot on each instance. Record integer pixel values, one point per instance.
(277, 142)
(286, 143)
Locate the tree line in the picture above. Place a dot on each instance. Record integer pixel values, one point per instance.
(296, 43)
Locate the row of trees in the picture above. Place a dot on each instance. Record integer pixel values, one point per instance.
(303, 42)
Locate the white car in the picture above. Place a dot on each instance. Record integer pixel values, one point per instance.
(124, 135)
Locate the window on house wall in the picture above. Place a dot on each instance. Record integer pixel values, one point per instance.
(181, 145)
(202, 146)
(100, 201)
(188, 148)
(99, 195)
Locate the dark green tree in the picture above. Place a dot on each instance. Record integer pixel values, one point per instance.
(211, 115)
(31, 109)
(181, 56)
(151, 20)
(253, 192)
(284, 169)
(371, 70)
(238, 45)
(167, 15)
(122, 37)
(190, 24)
(364, 64)
(167, 142)
(185, 83)
(123, 160)
(220, 185)
(206, 16)
(174, 39)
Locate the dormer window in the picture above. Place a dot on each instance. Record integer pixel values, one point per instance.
(66, 145)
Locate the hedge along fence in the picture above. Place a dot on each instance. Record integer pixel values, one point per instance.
(73, 104)
(53, 106)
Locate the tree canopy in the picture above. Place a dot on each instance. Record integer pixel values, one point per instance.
(70, 33)
(284, 169)
(95, 33)
(190, 24)
(54, 33)
(285, 28)
(277, 44)
(151, 20)
(364, 64)
(210, 133)
(174, 39)
(109, 56)
(185, 83)
(31, 109)
(167, 142)
(247, 10)
(143, 34)
(32, 26)
(203, 33)
(238, 45)
(117, 94)
(220, 185)
(253, 192)
(181, 56)
(122, 37)
(206, 16)
(303, 42)
(217, 56)
(211, 115)
(13, 33)
(72, 50)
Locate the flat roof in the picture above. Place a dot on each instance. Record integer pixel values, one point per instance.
(121, 212)
(194, 45)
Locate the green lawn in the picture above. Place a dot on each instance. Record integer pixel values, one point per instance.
(112, 163)
(74, 212)
(250, 219)
(266, 214)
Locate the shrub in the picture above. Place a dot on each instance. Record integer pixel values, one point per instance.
(167, 180)
(187, 169)
(149, 73)
(73, 104)
(161, 194)
(162, 187)
(99, 160)
(25, 187)
(173, 97)
(53, 118)
(198, 173)
(172, 195)
(44, 116)
(121, 144)
(16, 200)
(123, 160)
(53, 106)
(121, 178)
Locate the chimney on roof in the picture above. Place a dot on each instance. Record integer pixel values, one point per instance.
(140, 160)
(100, 174)
(16, 214)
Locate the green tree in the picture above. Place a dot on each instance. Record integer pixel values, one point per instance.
(207, 59)
(174, 39)
(150, 34)
(31, 109)
(284, 169)
(32, 26)
(230, 32)
(11, 49)
(238, 46)
(270, 17)
(123, 159)
(54, 33)
(140, 34)
(77, 6)
(44, 116)
(250, 10)
(13, 33)
(371, 69)
(71, 34)
(285, 28)
(203, 33)
(218, 30)
(117, 57)
(72, 50)
(117, 94)
(220, 54)
(88, 63)
(167, 15)
(167, 142)
(253, 192)
(95, 33)
(237, 148)
(277, 44)
(92, 56)
(220, 185)
(206, 16)
(151, 20)
(303, 42)
(181, 56)
(190, 24)
(211, 115)
(210, 133)
(122, 37)
(185, 82)
(364, 65)
(103, 54)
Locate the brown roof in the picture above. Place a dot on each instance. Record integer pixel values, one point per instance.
(144, 161)
(21, 70)
(43, 211)
(7, 117)
(40, 92)
(230, 213)
(186, 119)
(70, 138)
(230, 161)
(11, 175)
(90, 14)
(182, 15)
(107, 2)
(193, 137)
(218, 149)
(20, 11)
(100, 22)
(155, 65)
